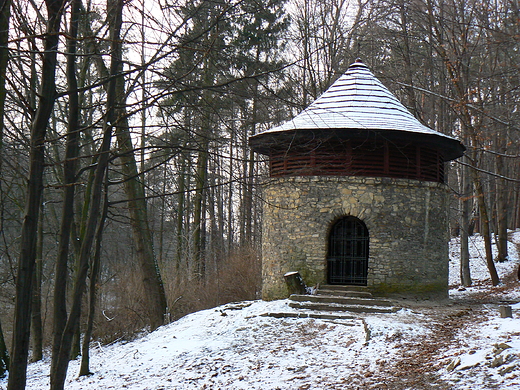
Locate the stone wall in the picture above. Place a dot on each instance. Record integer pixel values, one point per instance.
(407, 222)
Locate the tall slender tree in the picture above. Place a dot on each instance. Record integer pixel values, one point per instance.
(69, 179)
(27, 258)
(59, 372)
(5, 13)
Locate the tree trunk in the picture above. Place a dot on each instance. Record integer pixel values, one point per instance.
(151, 277)
(249, 180)
(59, 372)
(5, 14)
(26, 261)
(199, 266)
(94, 272)
(180, 214)
(69, 179)
(134, 189)
(501, 206)
(465, 275)
(36, 312)
(486, 233)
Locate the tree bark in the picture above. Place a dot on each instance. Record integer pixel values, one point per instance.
(138, 209)
(151, 277)
(486, 233)
(59, 372)
(69, 179)
(199, 266)
(501, 211)
(466, 201)
(36, 311)
(26, 261)
(181, 198)
(94, 272)
(5, 15)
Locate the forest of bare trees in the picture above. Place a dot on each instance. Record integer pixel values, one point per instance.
(128, 193)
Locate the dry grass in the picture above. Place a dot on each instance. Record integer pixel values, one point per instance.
(234, 278)
(122, 312)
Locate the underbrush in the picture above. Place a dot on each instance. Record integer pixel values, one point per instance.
(122, 312)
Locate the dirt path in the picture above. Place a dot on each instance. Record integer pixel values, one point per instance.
(419, 360)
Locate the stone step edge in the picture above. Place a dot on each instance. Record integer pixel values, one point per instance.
(339, 307)
(340, 300)
(342, 287)
(341, 293)
(322, 316)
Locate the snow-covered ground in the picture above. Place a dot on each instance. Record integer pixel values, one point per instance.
(461, 345)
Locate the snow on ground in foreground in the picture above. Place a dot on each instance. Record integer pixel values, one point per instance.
(233, 347)
(239, 350)
(490, 354)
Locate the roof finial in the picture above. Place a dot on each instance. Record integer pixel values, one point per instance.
(358, 63)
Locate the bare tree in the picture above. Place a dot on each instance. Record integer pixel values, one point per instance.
(26, 262)
(58, 374)
(5, 13)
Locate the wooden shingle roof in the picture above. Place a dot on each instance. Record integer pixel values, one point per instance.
(358, 102)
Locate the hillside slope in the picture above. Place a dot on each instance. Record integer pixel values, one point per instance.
(457, 344)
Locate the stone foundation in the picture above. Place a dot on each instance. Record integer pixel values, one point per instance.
(407, 222)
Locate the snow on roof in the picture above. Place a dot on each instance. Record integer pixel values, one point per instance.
(357, 100)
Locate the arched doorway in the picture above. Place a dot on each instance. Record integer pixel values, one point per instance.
(347, 258)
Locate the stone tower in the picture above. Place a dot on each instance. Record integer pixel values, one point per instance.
(356, 193)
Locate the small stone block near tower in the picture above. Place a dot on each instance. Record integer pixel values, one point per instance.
(356, 194)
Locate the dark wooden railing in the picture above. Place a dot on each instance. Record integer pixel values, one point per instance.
(382, 159)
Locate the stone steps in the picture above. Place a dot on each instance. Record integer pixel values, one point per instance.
(355, 299)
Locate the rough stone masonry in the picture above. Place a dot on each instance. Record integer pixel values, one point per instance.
(406, 219)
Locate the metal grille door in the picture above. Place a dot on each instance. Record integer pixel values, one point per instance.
(348, 252)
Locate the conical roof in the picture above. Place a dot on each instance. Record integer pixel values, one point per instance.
(359, 102)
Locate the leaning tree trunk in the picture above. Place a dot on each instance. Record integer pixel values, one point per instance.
(59, 372)
(26, 260)
(134, 189)
(5, 14)
(151, 277)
